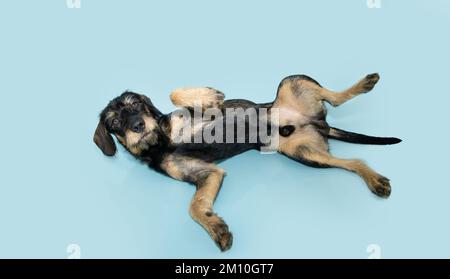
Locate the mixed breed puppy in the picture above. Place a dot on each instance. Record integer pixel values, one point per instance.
(301, 128)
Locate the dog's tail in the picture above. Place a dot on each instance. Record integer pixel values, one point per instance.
(342, 135)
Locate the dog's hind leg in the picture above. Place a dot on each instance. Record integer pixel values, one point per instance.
(363, 86)
(208, 179)
(310, 148)
(200, 97)
(303, 94)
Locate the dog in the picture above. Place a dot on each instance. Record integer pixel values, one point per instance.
(301, 129)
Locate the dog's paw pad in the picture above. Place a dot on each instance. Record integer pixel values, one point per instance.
(368, 83)
(381, 187)
(222, 236)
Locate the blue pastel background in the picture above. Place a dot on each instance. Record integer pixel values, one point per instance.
(60, 66)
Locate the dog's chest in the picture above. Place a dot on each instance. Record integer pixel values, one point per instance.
(183, 126)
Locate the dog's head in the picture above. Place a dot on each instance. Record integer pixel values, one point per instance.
(133, 119)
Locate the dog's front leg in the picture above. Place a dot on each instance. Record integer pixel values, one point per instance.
(201, 209)
(208, 179)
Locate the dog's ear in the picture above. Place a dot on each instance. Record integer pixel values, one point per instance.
(104, 140)
(151, 107)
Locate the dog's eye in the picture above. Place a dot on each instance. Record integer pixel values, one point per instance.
(115, 123)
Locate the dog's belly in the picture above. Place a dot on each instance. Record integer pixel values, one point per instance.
(212, 152)
(214, 140)
(292, 116)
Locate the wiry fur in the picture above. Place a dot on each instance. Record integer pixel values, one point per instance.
(147, 134)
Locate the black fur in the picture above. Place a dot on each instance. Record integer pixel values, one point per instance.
(146, 133)
(153, 155)
(360, 138)
(208, 152)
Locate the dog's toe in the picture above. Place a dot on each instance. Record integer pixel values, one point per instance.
(381, 187)
(222, 236)
(368, 83)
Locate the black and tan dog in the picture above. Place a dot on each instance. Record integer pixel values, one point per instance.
(303, 136)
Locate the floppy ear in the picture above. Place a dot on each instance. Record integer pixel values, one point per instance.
(104, 140)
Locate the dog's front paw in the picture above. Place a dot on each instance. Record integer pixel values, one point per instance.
(200, 97)
(380, 186)
(368, 83)
(222, 236)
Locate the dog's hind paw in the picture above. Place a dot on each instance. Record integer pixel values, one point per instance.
(380, 186)
(222, 236)
(368, 83)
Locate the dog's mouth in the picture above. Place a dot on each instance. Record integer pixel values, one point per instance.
(148, 139)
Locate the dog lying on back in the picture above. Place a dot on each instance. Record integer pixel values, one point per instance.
(300, 128)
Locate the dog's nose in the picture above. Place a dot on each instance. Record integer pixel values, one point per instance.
(138, 126)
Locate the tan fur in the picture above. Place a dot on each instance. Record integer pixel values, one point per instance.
(201, 208)
(302, 137)
(297, 101)
(179, 166)
(110, 114)
(134, 140)
(306, 103)
(128, 101)
(363, 86)
(202, 212)
(171, 167)
(201, 97)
